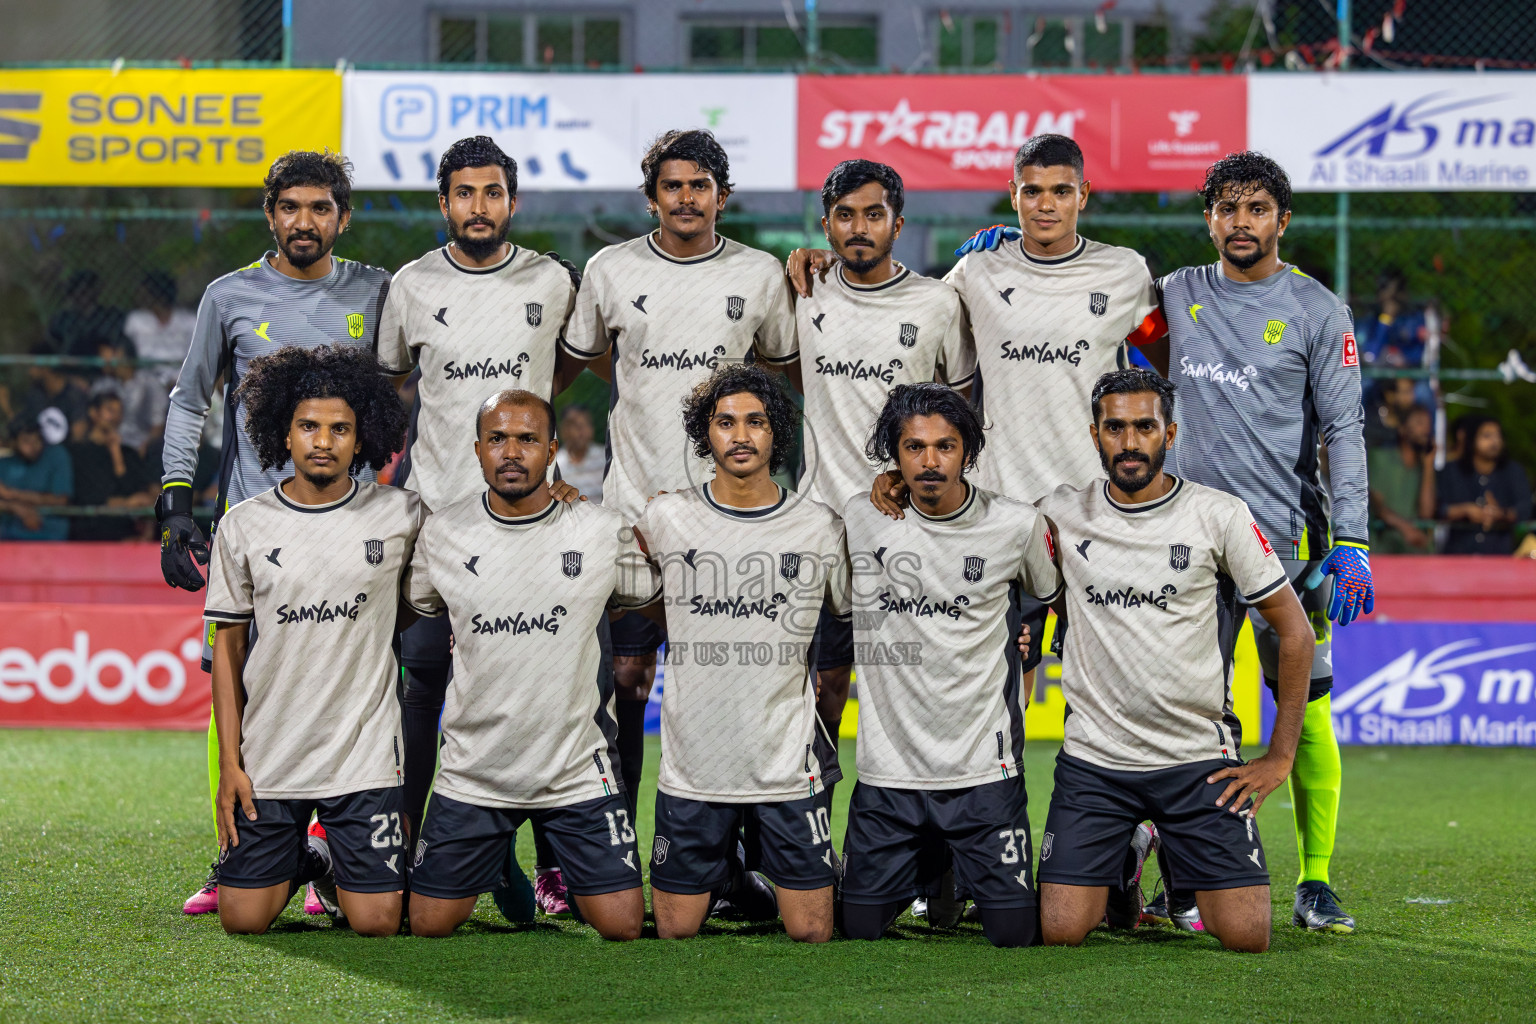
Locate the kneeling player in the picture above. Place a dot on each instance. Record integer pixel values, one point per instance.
(307, 717)
(746, 568)
(528, 728)
(1144, 557)
(941, 725)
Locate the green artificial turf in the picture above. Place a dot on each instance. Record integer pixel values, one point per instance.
(102, 835)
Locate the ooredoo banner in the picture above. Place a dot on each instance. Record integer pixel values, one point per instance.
(567, 132)
(1408, 132)
(149, 126)
(101, 666)
(1138, 133)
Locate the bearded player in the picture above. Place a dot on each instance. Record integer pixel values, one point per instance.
(658, 313)
(476, 314)
(874, 325)
(746, 568)
(300, 294)
(304, 591)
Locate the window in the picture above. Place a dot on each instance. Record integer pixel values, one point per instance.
(1051, 44)
(971, 41)
(1104, 49)
(530, 40)
(774, 44)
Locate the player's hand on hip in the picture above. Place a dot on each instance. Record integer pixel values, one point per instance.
(803, 264)
(989, 238)
(889, 494)
(1252, 781)
(234, 791)
(1023, 644)
(1354, 590)
(562, 491)
(181, 542)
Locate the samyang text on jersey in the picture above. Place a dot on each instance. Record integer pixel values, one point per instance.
(320, 587)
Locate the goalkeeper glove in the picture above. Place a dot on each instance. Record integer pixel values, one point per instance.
(1354, 593)
(570, 268)
(989, 238)
(180, 539)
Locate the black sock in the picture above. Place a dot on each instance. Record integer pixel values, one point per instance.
(631, 715)
(869, 921)
(544, 858)
(1011, 927)
(420, 709)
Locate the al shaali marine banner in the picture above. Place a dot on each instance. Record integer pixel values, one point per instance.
(1398, 132)
(89, 126)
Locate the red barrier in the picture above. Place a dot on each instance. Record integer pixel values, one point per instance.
(1140, 133)
(1446, 588)
(81, 573)
(102, 666)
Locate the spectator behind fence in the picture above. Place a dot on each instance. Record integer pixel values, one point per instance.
(1397, 334)
(35, 475)
(84, 322)
(52, 387)
(1403, 487)
(1483, 494)
(109, 472)
(1385, 406)
(161, 329)
(144, 395)
(579, 465)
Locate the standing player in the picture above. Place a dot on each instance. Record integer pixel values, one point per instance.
(1266, 366)
(529, 731)
(941, 719)
(300, 295)
(307, 717)
(476, 314)
(1143, 557)
(665, 310)
(746, 569)
(875, 325)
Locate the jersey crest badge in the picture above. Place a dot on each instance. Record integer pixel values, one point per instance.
(1351, 351)
(570, 563)
(374, 550)
(659, 851)
(1047, 843)
(534, 311)
(1178, 557)
(1098, 303)
(973, 568)
(735, 305)
(1274, 330)
(908, 335)
(421, 851)
(355, 324)
(789, 565)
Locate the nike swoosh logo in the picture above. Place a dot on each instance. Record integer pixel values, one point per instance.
(1082, 548)
(439, 316)
(470, 565)
(1004, 295)
(639, 303)
(816, 321)
(273, 558)
(261, 330)
(1193, 310)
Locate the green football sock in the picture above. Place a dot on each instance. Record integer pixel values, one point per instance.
(213, 773)
(1314, 786)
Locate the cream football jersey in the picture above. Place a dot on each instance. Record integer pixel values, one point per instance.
(856, 343)
(939, 677)
(525, 723)
(473, 332)
(670, 322)
(1142, 670)
(743, 590)
(1045, 330)
(320, 586)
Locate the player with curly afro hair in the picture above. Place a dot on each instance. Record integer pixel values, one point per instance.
(275, 384)
(734, 379)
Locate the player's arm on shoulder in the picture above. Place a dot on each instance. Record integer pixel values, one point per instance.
(775, 342)
(637, 582)
(807, 266)
(586, 338)
(1040, 568)
(396, 357)
(957, 351)
(418, 594)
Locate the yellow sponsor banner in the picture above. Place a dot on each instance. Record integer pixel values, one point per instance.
(142, 126)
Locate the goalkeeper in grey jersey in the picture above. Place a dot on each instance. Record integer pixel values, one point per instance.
(299, 294)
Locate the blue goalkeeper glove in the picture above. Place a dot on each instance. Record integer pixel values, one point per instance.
(1354, 593)
(989, 238)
